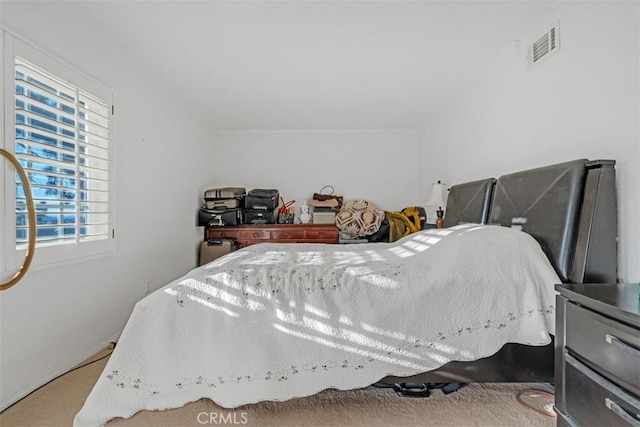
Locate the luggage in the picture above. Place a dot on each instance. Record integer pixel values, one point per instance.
(225, 193)
(214, 248)
(260, 216)
(224, 198)
(219, 217)
(262, 199)
(222, 204)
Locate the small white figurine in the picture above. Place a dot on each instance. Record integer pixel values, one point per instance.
(305, 215)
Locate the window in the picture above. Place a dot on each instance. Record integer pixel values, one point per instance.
(61, 135)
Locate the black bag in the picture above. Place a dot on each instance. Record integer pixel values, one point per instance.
(260, 216)
(218, 217)
(382, 235)
(262, 199)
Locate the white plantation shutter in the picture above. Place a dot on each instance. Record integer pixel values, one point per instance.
(62, 140)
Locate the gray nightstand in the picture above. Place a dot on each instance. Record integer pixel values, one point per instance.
(597, 355)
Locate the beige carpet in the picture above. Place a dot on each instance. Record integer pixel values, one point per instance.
(474, 405)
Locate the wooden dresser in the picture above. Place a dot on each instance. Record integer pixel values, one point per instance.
(250, 234)
(597, 355)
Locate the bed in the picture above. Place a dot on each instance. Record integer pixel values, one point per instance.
(469, 202)
(279, 321)
(571, 209)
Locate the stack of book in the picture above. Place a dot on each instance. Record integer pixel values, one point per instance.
(324, 215)
(325, 207)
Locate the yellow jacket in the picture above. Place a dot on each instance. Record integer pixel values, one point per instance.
(402, 223)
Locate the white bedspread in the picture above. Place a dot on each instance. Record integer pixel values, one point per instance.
(278, 321)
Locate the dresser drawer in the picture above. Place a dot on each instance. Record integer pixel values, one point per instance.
(592, 400)
(251, 234)
(220, 233)
(608, 344)
(255, 235)
(287, 234)
(316, 234)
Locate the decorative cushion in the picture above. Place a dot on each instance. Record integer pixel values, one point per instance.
(359, 218)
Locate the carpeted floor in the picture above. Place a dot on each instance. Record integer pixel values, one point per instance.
(474, 405)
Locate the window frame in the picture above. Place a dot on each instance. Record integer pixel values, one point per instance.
(45, 255)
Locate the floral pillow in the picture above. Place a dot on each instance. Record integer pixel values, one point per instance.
(359, 218)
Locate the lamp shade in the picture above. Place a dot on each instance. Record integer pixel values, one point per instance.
(438, 195)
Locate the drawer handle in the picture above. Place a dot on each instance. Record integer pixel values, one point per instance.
(601, 381)
(617, 342)
(617, 409)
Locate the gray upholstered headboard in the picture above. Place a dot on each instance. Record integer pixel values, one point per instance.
(570, 208)
(469, 202)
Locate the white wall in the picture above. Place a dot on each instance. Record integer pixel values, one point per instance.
(380, 166)
(582, 102)
(56, 317)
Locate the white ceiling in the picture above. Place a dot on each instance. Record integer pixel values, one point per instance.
(314, 65)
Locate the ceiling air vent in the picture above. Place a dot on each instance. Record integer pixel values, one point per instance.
(544, 46)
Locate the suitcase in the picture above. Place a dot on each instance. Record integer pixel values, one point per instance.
(222, 204)
(262, 199)
(214, 248)
(225, 193)
(218, 217)
(260, 216)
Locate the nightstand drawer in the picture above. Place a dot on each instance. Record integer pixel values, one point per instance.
(594, 401)
(606, 343)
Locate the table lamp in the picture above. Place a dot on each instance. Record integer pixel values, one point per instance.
(437, 199)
